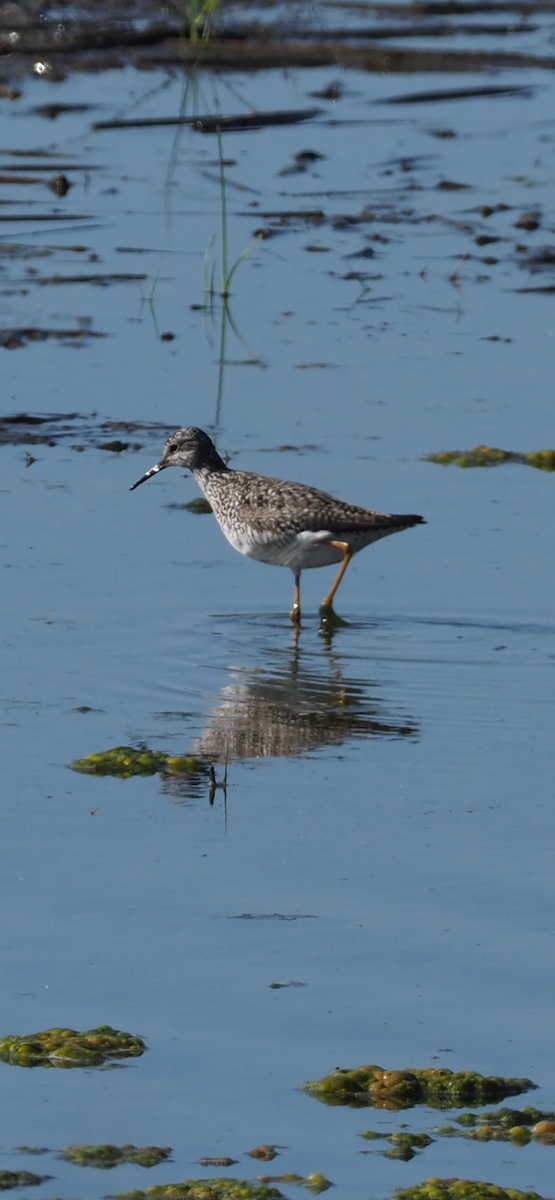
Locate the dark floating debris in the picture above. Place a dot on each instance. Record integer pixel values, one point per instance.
(290, 983)
(301, 162)
(209, 124)
(46, 217)
(312, 216)
(100, 280)
(106, 1157)
(332, 91)
(437, 1087)
(15, 1179)
(68, 1048)
(265, 1153)
(539, 260)
(60, 184)
(117, 447)
(548, 290)
(529, 221)
(488, 456)
(519, 1126)
(52, 111)
(51, 428)
(465, 93)
(273, 917)
(14, 339)
(461, 1189)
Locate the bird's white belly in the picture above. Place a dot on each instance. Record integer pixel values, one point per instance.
(299, 551)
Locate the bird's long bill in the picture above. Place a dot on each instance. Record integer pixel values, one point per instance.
(153, 471)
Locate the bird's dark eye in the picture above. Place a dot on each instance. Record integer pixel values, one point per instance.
(172, 448)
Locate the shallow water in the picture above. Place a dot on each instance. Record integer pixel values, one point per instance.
(387, 836)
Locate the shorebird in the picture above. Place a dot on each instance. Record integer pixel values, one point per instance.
(275, 521)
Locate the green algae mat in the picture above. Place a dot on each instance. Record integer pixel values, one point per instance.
(206, 1189)
(126, 761)
(490, 456)
(461, 1189)
(437, 1087)
(16, 1179)
(520, 1126)
(404, 1146)
(108, 1156)
(314, 1183)
(69, 1048)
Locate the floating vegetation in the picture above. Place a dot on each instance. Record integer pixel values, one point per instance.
(51, 428)
(404, 1146)
(438, 1087)
(519, 1126)
(205, 1189)
(220, 123)
(461, 1189)
(125, 761)
(13, 1179)
(107, 1157)
(14, 338)
(198, 505)
(314, 1183)
(488, 456)
(264, 1153)
(208, 1161)
(68, 1048)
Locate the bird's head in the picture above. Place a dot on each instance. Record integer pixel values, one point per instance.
(189, 447)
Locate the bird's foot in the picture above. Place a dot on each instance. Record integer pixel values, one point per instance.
(296, 614)
(330, 621)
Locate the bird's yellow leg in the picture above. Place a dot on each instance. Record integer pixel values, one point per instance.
(327, 604)
(296, 610)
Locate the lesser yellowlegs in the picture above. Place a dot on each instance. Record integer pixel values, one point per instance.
(287, 524)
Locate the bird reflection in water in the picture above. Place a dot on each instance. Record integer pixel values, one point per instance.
(295, 704)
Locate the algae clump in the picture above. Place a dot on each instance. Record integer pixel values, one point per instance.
(125, 761)
(14, 1179)
(437, 1087)
(461, 1189)
(69, 1048)
(314, 1183)
(108, 1156)
(404, 1146)
(206, 1189)
(490, 456)
(519, 1126)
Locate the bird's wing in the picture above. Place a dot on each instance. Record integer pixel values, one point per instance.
(301, 508)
